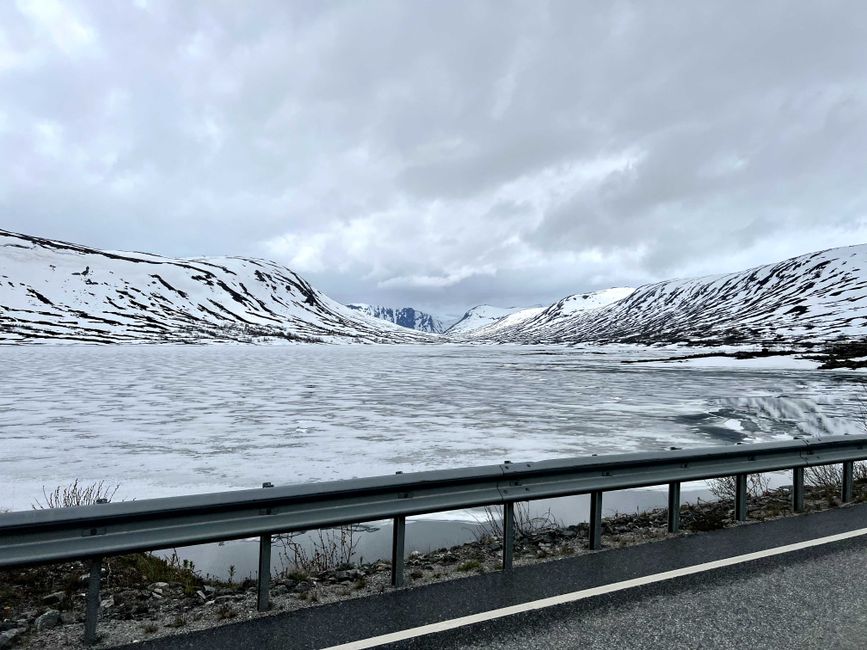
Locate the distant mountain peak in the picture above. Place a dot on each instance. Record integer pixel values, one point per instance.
(408, 317)
(480, 316)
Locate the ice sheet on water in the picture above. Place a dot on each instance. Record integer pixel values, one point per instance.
(164, 420)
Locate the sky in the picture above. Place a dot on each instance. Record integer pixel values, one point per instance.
(440, 154)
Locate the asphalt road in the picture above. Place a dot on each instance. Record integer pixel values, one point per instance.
(806, 599)
(810, 599)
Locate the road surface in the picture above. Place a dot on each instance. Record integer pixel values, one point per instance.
(814, 597)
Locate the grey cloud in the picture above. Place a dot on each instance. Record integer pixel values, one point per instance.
(372, 141)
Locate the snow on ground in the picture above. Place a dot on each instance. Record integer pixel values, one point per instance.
(481, 316)
(779, 362)
(503, 322)
(593, 300)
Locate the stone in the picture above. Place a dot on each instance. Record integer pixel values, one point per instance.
(48, 620)
(7, 638)
(54, 599)
(208, 589)
(107, 603)
(158, 586)
(228, 598)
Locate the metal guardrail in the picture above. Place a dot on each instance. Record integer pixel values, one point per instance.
(97, 531)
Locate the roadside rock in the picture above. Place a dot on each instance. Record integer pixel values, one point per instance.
(48, 620)
(8, 638)
(54, 599)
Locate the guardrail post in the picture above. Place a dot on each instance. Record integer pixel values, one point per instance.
(263, 594)
(848, 480)
(508, 535)
(740, 497)
(674, 506)
(263, 600)
(798, 489)
(398, 546)
(595, 520)
(92, 602)
(398, 549)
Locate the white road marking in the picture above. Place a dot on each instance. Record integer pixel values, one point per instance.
(574, 596)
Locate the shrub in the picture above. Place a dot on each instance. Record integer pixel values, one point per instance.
(828, 479)
(491, 522)
(724, 488)
(76, 494)
(329, 549)
(469, 565)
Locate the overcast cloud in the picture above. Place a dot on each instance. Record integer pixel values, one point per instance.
(440, 154)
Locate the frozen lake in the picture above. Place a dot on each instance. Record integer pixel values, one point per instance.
(168, 420)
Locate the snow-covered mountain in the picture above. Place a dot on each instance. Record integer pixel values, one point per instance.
(403, 316)
(486, 329)
(813, 297)
(534, 318)
(480, 316)
(52, 290)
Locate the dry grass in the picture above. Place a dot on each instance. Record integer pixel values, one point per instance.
(330, 548)
(490, 522)
(829, 478)
(76, 494)
(724, 488)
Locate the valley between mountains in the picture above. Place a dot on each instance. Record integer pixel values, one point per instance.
(52, 291)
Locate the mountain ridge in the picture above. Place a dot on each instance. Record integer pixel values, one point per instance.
(478, 317)
(54, 290)
(808, 298)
